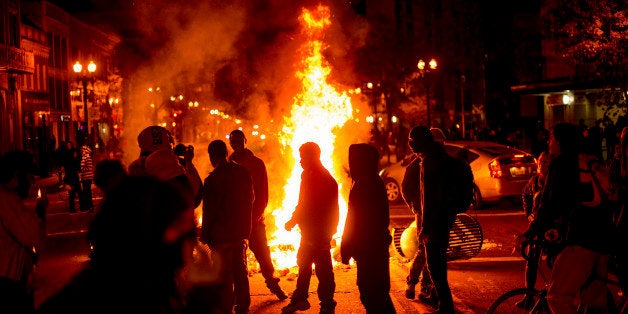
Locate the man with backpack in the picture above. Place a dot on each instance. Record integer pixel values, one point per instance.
(435, 206)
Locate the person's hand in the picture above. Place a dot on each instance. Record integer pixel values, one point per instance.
(189, 154)
(289, 225)
(41, 206)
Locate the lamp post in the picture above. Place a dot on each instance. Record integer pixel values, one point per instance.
(83, 77)
(423, 71)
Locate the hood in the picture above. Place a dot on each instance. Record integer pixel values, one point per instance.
(164, 165)
(363, 160)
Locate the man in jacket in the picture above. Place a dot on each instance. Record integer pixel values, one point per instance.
(258, 242)
(436, 216)
(227, 210)
(317, 216)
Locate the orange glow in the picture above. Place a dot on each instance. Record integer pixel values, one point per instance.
(318, 111)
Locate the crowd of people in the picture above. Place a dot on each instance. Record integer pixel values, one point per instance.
(145, 231)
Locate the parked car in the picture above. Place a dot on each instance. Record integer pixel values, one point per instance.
(499, 171)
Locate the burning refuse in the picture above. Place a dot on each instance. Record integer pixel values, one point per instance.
(317, 113)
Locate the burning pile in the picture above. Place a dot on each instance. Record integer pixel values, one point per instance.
(318, 112)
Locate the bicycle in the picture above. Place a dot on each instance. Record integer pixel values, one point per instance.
(506, 303)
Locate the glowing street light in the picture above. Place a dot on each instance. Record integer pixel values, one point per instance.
(422, 72)
(83, 77)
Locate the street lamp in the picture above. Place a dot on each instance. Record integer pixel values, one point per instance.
(83, 77)
(422, 72)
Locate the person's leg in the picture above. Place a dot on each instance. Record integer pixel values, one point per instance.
(569, 277)
(304, 262)
(326, 283)
(298, 301)
(241, 279)
(373, 280)
(87, 203)
(436, 257)
(224, 289)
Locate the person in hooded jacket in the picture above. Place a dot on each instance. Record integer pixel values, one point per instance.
(366, 237)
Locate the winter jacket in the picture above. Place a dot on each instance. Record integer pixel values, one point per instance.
(87, 165)
(227, 205)
(257, 170)
(436, 216)
(317, 210)
(410, 186)
(366, 227)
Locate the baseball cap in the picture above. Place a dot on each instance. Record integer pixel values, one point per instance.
(154, 138)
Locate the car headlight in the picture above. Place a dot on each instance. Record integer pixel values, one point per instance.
(383, 173)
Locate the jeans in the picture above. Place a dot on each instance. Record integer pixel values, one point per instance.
(234, 287)
(320, 256)
(436, 257)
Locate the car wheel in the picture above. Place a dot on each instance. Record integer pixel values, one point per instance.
(393, 191)
(477, 199)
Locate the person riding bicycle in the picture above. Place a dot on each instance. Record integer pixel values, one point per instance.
(587, 230)
(530, 201)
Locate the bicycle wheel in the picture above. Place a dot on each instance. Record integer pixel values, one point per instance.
(506, 303)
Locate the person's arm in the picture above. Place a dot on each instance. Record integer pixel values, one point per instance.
(527, 196)
(23, 225)
(410, 186)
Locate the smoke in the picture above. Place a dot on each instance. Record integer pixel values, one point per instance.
(237, 57)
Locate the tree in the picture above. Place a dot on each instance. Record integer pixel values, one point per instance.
(590, 32)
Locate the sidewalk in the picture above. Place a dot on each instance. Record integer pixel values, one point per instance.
(59, 220)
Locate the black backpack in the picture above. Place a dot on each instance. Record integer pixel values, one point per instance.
(459, 185)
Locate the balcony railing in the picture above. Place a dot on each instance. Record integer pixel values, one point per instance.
(16, 60)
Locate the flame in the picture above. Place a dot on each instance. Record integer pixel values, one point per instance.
(317, 113)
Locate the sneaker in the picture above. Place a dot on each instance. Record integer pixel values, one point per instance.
(294, 306)
(328, 307)
(410, 292)
(274, 287)
(428, 300)
(279, 293)
(526, 303)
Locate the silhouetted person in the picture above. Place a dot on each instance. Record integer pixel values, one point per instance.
(317, 216)
(108, 174)
(21, 230)
(530, 200)
(540, 141)
(366, 237)
(258, 242)
(436, 217)
(71, 162)
(87, 177)
(227, 212)
(158, 159)
(139, 257)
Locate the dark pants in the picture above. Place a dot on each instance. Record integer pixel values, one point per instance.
(436, 257)
(532, 266)
(418, 271)
(259, 246)
(75, 190)
(320, 256)
(374, 281)
(234, 287)
(85, 199)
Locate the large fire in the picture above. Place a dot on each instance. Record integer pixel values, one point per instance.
(317, 113)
